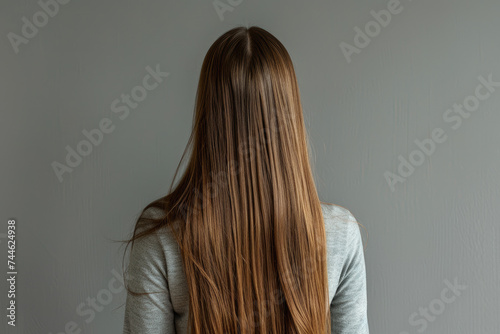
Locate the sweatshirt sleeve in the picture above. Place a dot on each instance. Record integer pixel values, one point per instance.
(146, 272)
(348, 309)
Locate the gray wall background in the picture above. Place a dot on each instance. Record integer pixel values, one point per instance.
(438, 227)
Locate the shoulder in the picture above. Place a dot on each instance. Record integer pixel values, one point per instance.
(152, 212)
(341, 226)
(162, 240)
(152, 216)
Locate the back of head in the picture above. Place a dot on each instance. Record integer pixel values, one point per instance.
(252, 234)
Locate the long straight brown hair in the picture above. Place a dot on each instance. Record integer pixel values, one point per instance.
(251, 229)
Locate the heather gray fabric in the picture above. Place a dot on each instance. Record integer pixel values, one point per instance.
(155, 265)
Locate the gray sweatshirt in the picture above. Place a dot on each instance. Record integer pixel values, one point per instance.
(155, 264)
